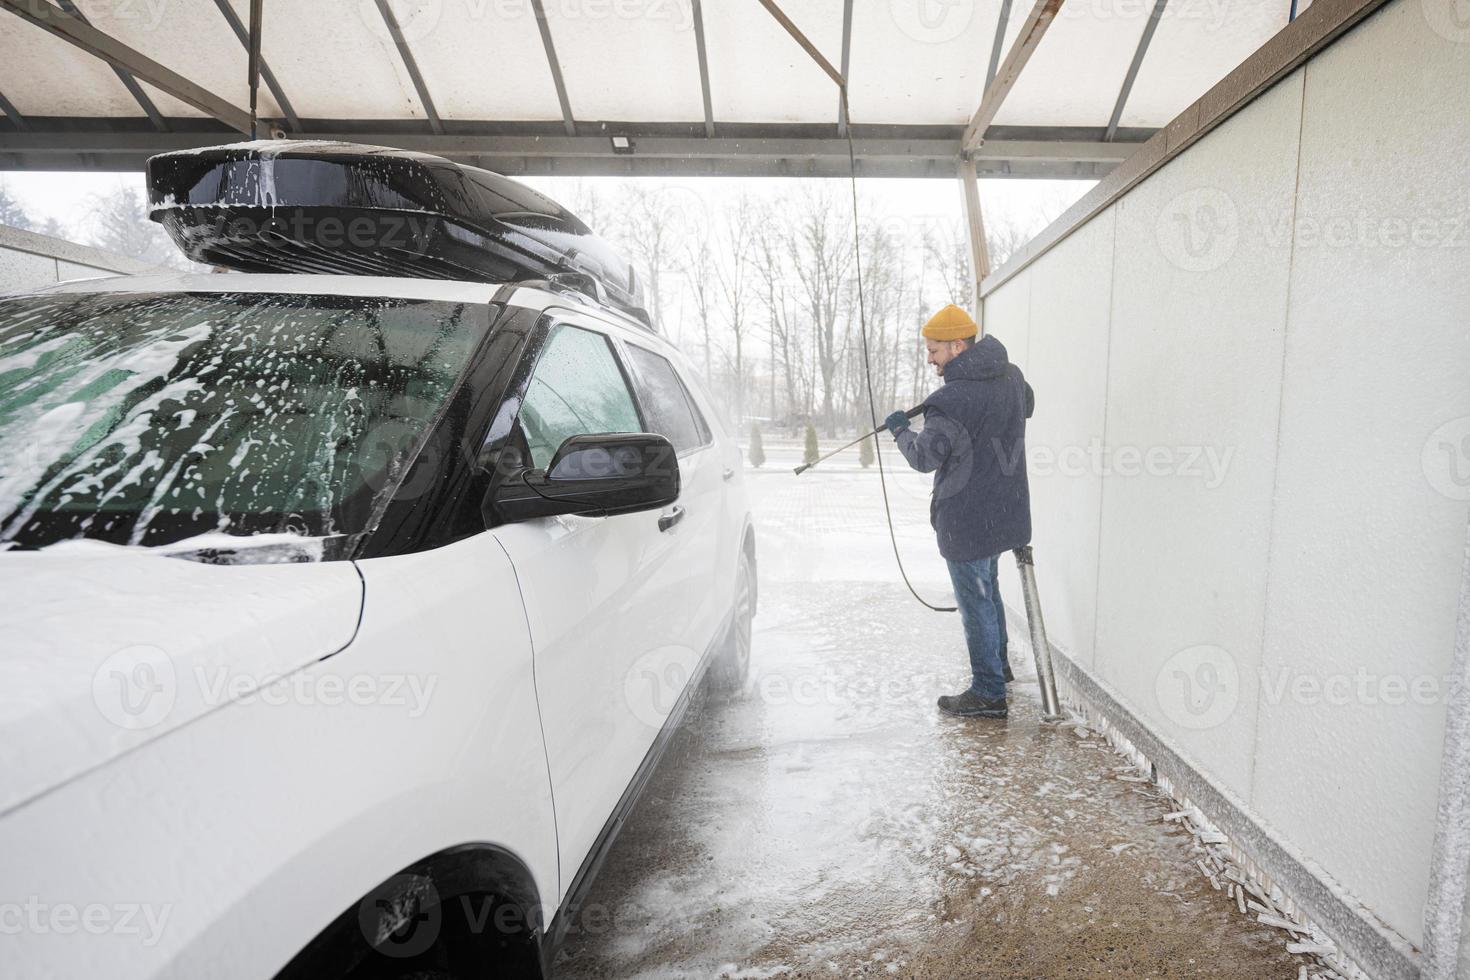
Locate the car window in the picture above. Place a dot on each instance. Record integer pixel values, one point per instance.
(576, 389)
(146, 418)
(671, 412)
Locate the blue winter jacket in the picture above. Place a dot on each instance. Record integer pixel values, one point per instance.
(974, 441)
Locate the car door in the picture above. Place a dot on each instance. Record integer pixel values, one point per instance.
(597, 627)
(692, 586)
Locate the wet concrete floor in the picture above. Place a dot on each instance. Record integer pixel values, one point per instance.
(830, 822)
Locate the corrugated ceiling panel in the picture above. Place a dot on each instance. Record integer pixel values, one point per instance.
(193, 39)
(759, 74)
(1198, 43)
(916, 61)
(482, 59)
(336, 60)
(1075, 74)
(45, 76)
(630, 60)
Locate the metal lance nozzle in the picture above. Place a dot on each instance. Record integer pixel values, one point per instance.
(1051, 705)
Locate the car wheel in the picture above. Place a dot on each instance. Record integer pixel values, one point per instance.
(732, 664)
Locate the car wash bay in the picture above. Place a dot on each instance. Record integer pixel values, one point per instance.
(830, 822)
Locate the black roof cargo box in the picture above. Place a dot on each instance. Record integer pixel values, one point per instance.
(344, 208)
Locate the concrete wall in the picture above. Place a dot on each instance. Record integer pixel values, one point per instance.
(1270, 339)
(29, 260)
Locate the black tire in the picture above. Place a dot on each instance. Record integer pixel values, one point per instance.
(731, 667)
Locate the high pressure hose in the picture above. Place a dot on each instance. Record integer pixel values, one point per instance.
(857, 245)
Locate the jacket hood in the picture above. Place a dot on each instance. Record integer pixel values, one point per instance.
(981, 361)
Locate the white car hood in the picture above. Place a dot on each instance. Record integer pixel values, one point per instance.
(104, 650)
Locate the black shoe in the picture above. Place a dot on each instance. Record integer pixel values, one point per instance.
(972, 705)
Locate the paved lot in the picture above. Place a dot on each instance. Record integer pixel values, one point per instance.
(831, 823)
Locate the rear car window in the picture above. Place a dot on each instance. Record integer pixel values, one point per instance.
(147, 418)
(671, 412)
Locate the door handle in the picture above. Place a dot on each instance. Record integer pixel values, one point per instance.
(673, 517)
(728, 473)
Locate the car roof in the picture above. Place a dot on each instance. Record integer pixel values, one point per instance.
(527, 295)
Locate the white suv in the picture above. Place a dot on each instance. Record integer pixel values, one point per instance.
(344, 617)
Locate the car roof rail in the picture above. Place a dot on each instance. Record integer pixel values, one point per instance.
(584, 286)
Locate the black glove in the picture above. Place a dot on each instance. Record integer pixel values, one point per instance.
(896, 422)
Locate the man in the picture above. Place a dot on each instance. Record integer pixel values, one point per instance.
(974, 441)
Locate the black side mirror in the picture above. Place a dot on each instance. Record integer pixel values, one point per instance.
(595, 475)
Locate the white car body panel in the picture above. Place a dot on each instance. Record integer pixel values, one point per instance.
(250, 829)
(108, 648)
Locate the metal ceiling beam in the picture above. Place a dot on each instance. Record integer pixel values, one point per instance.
(413, 66)
(53, 19)
(1143, 43)
(1032, 31)
(774, 155)
(277, 92)
(709, 107)
(846, 65)
(13, 114)
(129, 82)
(802, 40)
(561, 83)
(998, 45)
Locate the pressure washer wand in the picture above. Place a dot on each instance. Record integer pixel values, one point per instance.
(917, 409)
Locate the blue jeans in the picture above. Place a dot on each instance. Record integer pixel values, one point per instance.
(977, 593)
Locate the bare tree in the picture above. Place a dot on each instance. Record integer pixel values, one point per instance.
(821, 254)
(11, 211)
(120, 225)
(698, 265)
(735, 272)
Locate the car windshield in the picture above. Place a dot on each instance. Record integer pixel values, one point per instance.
(148, 418)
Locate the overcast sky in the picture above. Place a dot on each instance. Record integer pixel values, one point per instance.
(1029, 204)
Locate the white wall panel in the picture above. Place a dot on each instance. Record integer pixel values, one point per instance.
(1198, 312)
(25, 270)
(1067, 365)
(1007, 317)
(1374, 472)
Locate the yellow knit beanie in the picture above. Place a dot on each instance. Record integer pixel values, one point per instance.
(950, 323)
